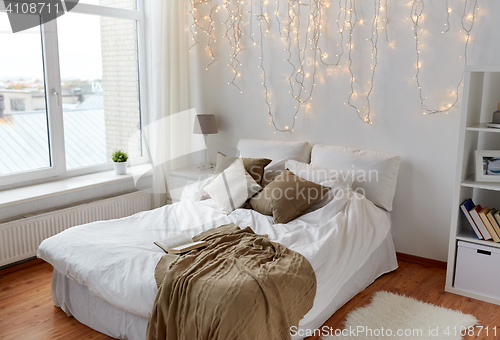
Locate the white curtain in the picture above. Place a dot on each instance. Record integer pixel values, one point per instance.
(168, 135)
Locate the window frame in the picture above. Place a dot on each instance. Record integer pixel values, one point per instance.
(50, 47)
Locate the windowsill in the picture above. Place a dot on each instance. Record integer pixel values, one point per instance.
(65, 186)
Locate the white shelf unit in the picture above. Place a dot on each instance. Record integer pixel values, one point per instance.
(481, 94)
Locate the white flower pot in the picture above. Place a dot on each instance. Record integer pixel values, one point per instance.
(120, 168)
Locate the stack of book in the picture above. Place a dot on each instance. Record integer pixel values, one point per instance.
(484, 221)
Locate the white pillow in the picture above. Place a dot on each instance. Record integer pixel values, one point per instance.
(232, 187)
(319, 175)
(375, 173)
(274, 150)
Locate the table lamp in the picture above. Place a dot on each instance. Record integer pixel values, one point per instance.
(205, 124)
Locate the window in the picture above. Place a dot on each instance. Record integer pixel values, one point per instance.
(17, 105)
(103, 96)
(71, 92)
(24, 131)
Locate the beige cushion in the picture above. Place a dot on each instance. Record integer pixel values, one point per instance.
(254, 166)
(232, 187)
(287, 197)
(273, 170)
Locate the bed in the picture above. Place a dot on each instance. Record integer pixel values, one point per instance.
(103, 271)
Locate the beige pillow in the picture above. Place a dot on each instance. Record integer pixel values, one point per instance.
(254, 166)
(287, 197)
(273, 170)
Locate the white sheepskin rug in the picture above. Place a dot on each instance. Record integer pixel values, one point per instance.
(391, 316)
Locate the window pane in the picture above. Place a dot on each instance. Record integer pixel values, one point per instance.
(99, 75)
(128, 4)
(24, 142)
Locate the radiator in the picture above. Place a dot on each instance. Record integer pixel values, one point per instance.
(19, 239)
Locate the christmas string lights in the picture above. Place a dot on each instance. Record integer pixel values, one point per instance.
(416, 16)
(198, 18)
(278, 20)
(386, 19)
(251, 23)
(299, 25)
(300, 77)
(447, 23)
(374, 55)
(262, 17)
(341, 28)
(472, 18)
(301, 80)
(233, 34)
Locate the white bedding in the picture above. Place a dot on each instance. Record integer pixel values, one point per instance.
(115, 259)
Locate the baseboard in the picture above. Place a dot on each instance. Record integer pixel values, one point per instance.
(14, 267)
(421, 260)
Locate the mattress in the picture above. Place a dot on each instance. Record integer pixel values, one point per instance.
(76, 300)
(338, 240)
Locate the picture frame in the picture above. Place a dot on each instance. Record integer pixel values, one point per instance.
(487, 165)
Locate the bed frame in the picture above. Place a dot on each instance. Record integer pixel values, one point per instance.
(76, 299)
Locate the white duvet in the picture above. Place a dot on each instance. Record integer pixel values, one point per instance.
(116, 259)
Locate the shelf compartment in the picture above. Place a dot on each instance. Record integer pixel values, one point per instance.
(468, 235)
(482, 128)
(471, 183)
(478, 269)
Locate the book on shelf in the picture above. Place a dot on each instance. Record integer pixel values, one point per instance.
(466, 206)
(491, 217)
(179, 244)
(488, 225)
(497, 216)
(474, 213)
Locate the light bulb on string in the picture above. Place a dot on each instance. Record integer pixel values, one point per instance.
(300, 26)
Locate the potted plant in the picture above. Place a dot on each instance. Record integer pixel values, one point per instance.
(119, 159)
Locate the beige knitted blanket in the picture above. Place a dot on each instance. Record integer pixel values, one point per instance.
(241, 286)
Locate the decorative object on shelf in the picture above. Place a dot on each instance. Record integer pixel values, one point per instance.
(487, 165)
(119, 159)
(205, 124)
(496, 119)
(299, 27)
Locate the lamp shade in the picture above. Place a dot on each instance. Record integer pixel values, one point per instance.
(205, 124)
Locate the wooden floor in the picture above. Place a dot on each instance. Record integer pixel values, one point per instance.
(27, 312)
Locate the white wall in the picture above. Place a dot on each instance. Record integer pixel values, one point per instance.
(426, 144)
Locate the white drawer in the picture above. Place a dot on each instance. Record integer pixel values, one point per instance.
(478, 269)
